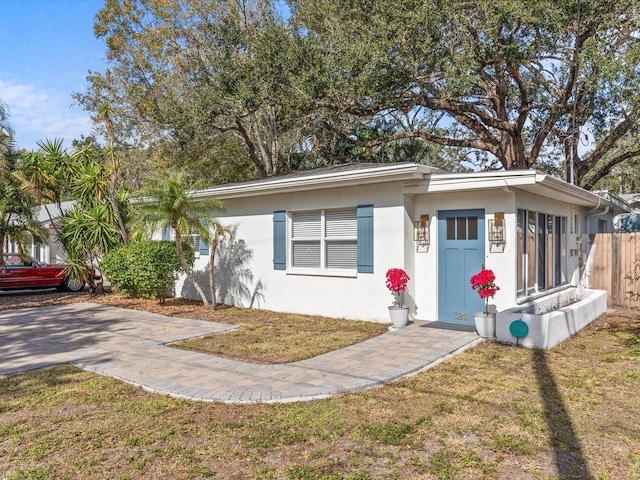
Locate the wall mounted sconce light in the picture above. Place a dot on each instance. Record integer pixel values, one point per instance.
(421, 230)
(497, 229)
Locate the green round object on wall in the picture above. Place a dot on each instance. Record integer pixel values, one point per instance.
(519, 329)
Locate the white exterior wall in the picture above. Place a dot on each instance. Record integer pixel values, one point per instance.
(55, 253)
(396, 205)
(362, 296)
(502, 259)
(501, 262)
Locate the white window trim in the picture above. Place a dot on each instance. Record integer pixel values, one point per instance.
(316, 272)
(534, 291)
(321, 271)
(193, 239)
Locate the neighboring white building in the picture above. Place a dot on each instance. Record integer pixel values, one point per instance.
(321, 241)
(632, 199)
(48, 251)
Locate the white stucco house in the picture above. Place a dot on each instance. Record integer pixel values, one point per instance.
(321, 241)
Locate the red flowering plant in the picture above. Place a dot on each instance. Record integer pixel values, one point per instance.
(397, 283)
(484, 283)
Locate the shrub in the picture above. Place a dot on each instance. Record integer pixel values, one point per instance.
(145, 269)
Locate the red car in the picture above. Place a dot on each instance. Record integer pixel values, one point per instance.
(18, 272)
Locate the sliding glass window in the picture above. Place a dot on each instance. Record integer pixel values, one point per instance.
(541, 250)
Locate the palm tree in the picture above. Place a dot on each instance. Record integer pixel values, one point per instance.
(16, 207)
(104, 112)
(40, 174)
(219, 230)
(6, 131)
(87, 232)
(97, 223)
(169, 202)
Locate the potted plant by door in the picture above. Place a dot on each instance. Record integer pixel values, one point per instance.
(397, 280)
(483, 283)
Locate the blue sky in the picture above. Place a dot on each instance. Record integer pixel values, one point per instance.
(46, 49)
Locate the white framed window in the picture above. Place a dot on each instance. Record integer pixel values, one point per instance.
(542, 252)
(192, 239)
(324, 240)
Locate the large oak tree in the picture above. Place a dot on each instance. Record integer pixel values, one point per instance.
(517, 83)
(523, 81)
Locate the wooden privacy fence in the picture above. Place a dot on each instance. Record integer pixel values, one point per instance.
(615, 257)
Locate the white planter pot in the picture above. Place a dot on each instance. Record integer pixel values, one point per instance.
(485, 324)
(399, 316)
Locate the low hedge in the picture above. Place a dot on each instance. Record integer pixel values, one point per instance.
(145, 269)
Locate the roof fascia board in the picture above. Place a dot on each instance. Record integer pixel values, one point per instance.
(451, 182)
(524, 179)
(348, 178)
(580, 195)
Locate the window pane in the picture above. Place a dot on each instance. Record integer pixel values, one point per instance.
(342, 254)
(563, 267)
(341, 223)
(195, 242)
(451, 228)
(306, 254)
(531, 251)
(541, 246)
(306, 224)
(549, 251)
(557, 251)
(462, 228)
(473, 228)
(520, 246)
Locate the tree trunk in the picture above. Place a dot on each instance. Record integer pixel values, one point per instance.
(2, 239)
(267, 159)
(123, 230)
(187, 270)
(253, 154)
(512, 154)
(212, 276)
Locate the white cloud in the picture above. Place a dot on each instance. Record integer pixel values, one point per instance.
(38, 114)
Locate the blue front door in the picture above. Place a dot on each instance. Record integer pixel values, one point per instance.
(460, 255)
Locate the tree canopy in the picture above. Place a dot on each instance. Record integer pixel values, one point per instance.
(523, 81)
(197, 78)
(505, 84)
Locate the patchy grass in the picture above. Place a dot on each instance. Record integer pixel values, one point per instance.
(265, 337)
(493, 412)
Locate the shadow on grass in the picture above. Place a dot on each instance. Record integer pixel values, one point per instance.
(569, 457)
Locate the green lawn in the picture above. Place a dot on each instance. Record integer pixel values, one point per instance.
(492, 412)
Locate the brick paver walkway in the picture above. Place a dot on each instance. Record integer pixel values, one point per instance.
(130, 345)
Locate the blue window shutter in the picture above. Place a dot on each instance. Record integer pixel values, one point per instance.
(279, 240)
(203, 246)
(166, 233)
(365, 238)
